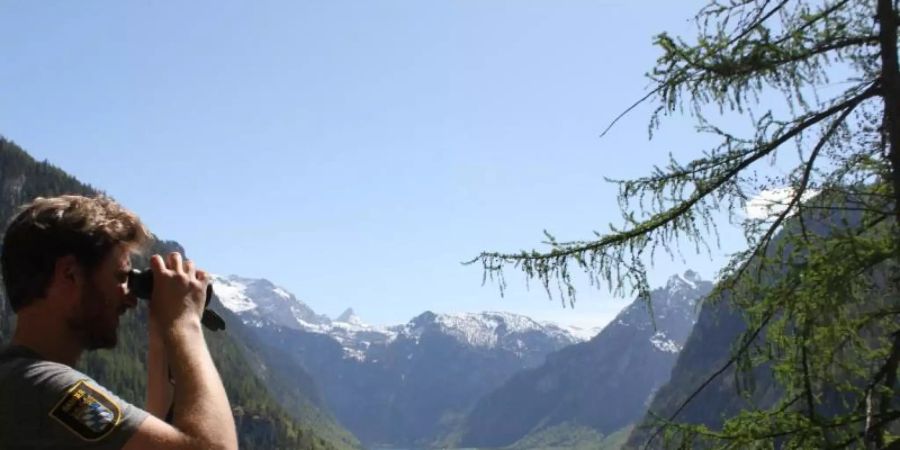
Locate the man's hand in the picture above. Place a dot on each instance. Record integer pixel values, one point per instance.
(202, 414)
(179, 291)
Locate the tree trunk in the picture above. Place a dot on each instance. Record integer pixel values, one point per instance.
(890, 86)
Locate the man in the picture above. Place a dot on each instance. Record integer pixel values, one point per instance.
(65, 264)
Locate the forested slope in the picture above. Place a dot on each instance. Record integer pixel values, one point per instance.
(262, 422)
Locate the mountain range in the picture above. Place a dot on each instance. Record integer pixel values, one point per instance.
(473, 379)
(604, 384)
(399, 385)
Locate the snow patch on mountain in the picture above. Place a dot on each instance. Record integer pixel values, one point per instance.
(769, 203)
(282, 293)
(682, 283)
(353, 353)
(674, 310)
(232, 294)
(487, 329)
(662, 343)
(260, 303)
(583, 333)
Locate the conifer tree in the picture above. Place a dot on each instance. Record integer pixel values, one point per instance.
(818, 283)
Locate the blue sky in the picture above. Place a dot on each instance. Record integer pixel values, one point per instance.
(354, 152)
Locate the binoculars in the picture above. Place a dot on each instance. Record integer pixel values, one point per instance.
(140, 283)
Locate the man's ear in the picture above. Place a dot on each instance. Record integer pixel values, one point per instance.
(68, 273)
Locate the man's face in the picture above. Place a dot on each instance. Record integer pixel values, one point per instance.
(104, 298)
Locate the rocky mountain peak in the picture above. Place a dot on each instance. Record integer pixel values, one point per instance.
(690, 275)
(425, 318)
(674, 310)
(260, 301)
(688, 280)
(349, 316)
(488, 329)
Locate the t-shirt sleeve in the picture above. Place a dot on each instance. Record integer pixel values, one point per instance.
(65, 409)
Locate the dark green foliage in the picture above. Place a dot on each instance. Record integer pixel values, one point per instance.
(815, 352)
(261, 422)
(564, 436)
(568, 436)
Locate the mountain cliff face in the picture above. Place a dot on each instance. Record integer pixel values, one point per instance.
(708, 351)
(399, 385)
(604, 384)
(262, 422)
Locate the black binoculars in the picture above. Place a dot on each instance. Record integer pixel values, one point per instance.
(140, 283)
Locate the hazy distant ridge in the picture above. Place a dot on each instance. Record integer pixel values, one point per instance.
(604, 384)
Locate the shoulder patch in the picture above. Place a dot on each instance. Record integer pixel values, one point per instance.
(87, 412)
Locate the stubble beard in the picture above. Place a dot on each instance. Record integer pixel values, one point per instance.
(97, 329)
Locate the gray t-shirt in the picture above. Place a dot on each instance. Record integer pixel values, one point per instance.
(47, 405)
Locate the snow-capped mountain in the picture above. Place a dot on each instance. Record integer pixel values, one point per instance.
(395, 385)
(504, 330)
(622, 366)
(260, 303)
(675, 310)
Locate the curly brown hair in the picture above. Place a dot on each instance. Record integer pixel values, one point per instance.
(49, 228)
